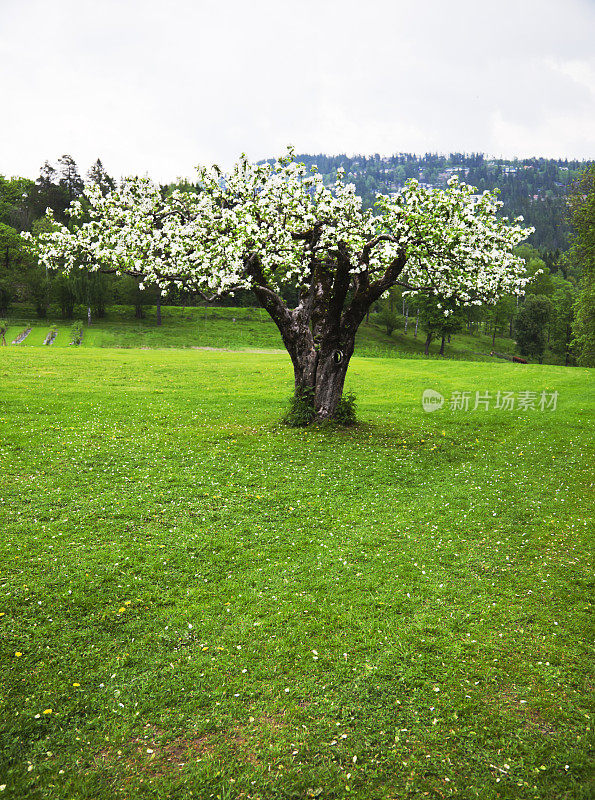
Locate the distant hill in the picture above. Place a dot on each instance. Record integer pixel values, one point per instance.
(533, 187)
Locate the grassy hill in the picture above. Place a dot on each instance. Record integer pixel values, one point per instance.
(241, 328)
(197, 602)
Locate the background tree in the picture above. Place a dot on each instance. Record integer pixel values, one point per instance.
(531, 326)
(64, 293)
(433, 320)
(501, 315)
(93, 290)
(38, 288)
(70, 180)
(387, 318)
(562, 319)
(48, 193)
(15, 210)
(267, 226)
(13, 258)
(100, 178)
(581, 206)
(128, 292)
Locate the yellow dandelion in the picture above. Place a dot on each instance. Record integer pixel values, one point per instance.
(47, 711)
(17, 654)
(76, 685)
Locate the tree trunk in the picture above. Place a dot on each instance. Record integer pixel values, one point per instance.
(416, 324)
(428, 340)
(319, 372)
(158, 306)
(88, 315)
(406, 319)
(442, 345)
(319, 333)
(494, 337)
(330, 379)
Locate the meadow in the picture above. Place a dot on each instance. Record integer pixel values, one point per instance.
(198, 602)
(234, 328)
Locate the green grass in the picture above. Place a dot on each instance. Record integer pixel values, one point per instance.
(241, 328)
(215, 606)
(36, 337)
(14, 331)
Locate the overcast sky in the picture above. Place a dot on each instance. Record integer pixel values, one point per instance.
(158, 86)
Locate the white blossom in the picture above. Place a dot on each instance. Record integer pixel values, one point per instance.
(455, 245)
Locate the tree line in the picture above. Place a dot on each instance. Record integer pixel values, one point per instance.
(23, 205)
(555, 314)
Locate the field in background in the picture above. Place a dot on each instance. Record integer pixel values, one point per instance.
(197, 602)
(238, 328)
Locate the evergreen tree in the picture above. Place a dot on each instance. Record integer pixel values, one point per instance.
(99, 177)
(70, 180)
(48, 193)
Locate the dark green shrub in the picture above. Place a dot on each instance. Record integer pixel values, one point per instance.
(301, 409)
(345, 413)
(387, 319)
(52, 333)
(76, 333)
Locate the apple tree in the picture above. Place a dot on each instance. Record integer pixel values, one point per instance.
(268, 226)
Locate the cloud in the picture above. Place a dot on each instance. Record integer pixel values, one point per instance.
(158, 87)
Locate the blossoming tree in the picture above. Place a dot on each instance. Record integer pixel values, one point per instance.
(263, 227)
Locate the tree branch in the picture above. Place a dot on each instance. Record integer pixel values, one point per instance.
(367, 293)
(268, 298)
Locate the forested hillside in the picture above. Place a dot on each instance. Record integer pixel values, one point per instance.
(534, 187)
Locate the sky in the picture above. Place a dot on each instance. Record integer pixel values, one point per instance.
(158, 86)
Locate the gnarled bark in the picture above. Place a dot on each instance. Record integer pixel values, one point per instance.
(319, 333)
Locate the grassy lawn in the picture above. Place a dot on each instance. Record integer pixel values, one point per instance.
(240, 328)
(197, 602)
